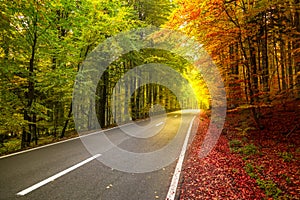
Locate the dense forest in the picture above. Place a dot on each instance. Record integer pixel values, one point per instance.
(43, 44)
(254, 43)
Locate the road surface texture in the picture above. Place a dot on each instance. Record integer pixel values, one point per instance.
(76, 174)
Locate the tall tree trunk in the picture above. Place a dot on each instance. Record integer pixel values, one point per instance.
(34, 129)
(66, 122)
(282, 64)
(290, 67)
(277, 65)
(297, 47)
(31, 91)
(102, 93)
(253, 94)
(245, 84)
(254, 74)
(265, 59)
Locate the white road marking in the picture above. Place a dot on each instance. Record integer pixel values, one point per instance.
(173, 186)
(160, 123)
(75, 138)
(52, 178)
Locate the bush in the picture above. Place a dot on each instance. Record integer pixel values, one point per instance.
(10, 146)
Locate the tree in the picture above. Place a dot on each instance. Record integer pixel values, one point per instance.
(43, 44)
(254, 43)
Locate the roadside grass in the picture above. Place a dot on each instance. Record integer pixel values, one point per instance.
(9, 146)
(13, 145)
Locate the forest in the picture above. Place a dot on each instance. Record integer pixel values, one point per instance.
(255, 44)
(44, 44)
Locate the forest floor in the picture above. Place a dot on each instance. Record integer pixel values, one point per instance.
(247, 163)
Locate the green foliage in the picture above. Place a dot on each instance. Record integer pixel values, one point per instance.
(235, 145)
(248, 150)
(286, 156)
(153, 12)
(250, 169)
(269, 187)
(260, 169)
(42, 44)
(10, 146)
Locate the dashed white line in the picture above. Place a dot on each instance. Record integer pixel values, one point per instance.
(52, 178)
(160, 123)
(173, 186)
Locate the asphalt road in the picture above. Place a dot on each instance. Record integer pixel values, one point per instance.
(93, 179)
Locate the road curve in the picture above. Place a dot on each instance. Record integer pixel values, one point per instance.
(78, 175)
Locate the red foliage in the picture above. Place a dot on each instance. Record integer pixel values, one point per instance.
(222, 175)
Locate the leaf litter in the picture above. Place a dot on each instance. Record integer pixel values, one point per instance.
(265, 165)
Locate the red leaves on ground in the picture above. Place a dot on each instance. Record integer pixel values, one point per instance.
(222, 175)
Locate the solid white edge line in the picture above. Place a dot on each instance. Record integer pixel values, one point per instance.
(174, 183)
(52, 178)
(63, 141)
